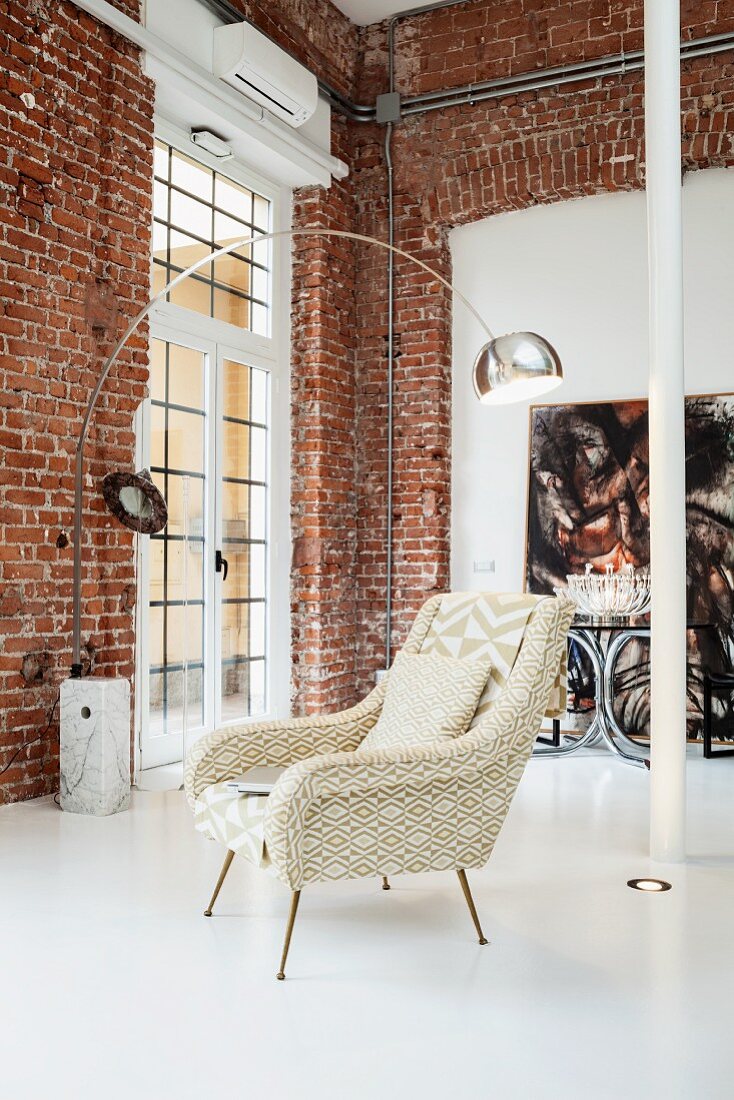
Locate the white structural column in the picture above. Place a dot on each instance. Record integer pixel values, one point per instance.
(667, 436)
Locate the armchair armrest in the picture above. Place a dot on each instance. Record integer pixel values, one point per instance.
(229, 751)
(350, 815)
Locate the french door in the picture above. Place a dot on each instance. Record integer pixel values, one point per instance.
(207, 608)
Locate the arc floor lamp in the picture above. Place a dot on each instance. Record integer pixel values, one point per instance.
(94, 733)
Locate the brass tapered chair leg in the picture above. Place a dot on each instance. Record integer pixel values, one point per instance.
(385, 883)
(288, 932)
(472, 907)
(222, 875)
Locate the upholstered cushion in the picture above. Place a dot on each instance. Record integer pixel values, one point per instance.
(235, 820)
(429, 697)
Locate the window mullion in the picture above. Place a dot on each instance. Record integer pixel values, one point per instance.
(214, 632)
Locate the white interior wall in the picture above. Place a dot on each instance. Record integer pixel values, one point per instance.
(577, 273)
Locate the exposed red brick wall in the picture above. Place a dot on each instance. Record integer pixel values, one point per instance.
(315, 32)
(75, 170)
(323, 451)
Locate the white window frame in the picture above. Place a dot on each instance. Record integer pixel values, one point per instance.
(271, 353)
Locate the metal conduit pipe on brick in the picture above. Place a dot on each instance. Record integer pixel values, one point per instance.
(468, 94)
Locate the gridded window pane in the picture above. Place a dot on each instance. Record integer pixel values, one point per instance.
(235, 690)
(184, 633)
(160, 241)
(244, 533)
(160, 200)
(191, 215)
(166, 699)
(160, 160)
(233, 198)
(157, 436)
(186, 377)
(175, 501)
(227, 228)
(232, 308)
(259, 322)
(191, 176)
(185, 441)
(235, 630)
(257, 629)
(258, 454)
(261, 253)
(160, 278)
(193, 293)
(177, 565)
(157, 381)
(186, 251)
(156, 682)
(258, 702)
(232, 271)
(237, 389)
(257, 571)
(258, 511)
(184, 572)
(235, 449)
(259, 409)
(261, 216)
(260, 288)
(156, 646)
(197, 212)
(235, 506)
(237, 585)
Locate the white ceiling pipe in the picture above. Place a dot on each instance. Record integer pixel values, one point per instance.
(667, 438)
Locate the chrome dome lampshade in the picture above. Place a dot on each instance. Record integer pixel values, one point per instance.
(516, 367)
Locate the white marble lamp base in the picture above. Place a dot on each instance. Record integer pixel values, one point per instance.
(95, 746)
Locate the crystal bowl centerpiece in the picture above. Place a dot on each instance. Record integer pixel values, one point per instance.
(609, 596)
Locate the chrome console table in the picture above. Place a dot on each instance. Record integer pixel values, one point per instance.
(604, 659)
(604, 725)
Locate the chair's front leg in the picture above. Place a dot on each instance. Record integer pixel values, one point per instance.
(288, 932)
(222, 875)
(472, 908)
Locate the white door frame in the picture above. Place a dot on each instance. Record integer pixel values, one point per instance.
(219, 340)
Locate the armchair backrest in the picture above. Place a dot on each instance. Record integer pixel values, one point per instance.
(478, 624)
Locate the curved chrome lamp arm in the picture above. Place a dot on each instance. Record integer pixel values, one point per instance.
(76, 667)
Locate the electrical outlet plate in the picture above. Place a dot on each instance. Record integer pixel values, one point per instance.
(484, 566)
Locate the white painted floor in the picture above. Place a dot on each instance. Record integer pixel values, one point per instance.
(113, 984)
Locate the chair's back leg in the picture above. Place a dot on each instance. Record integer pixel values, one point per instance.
(288, 932)
(222, 875)
(385, 883)
(470, 902)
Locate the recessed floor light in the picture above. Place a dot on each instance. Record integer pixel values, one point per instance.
(649, 885)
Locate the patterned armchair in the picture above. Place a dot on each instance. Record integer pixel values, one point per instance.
(339, 814)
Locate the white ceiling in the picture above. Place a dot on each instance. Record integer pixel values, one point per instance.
(363, 12)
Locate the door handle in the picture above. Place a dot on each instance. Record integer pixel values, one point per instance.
(221, 565)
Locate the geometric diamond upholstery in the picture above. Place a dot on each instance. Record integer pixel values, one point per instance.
(336, 813)
(429, 696)
(235, 820)
(470, 625)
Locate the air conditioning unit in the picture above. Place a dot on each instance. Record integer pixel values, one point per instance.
(255, 66)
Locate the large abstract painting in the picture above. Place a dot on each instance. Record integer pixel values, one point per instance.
(588, 501)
